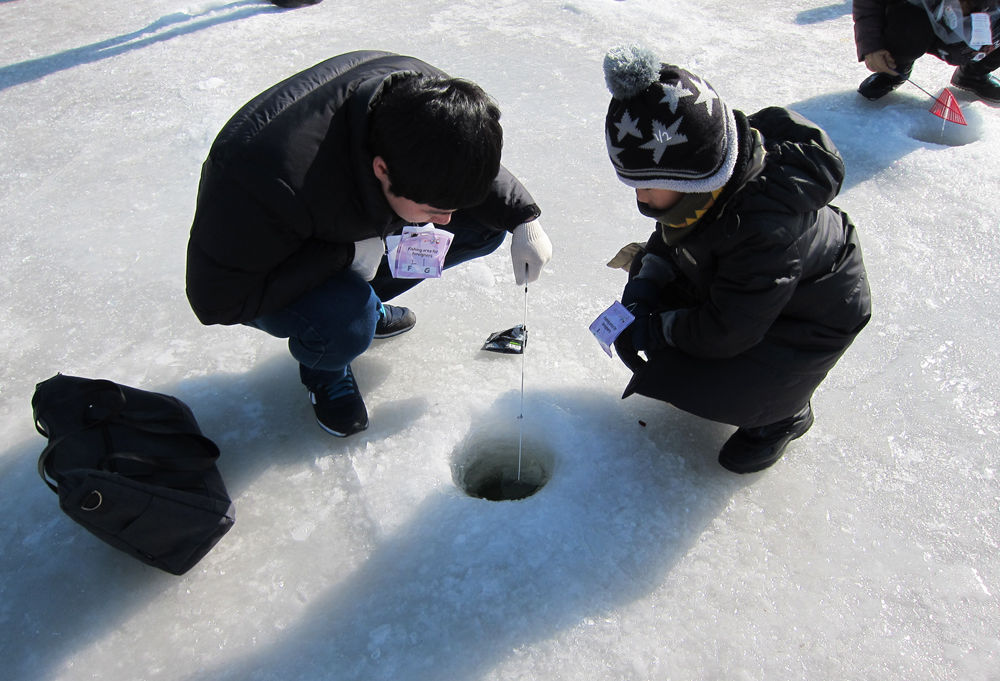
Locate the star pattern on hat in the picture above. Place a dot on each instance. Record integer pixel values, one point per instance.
(706, 95)
(672, 94)
(628, 126)
(613, 151)
(664, 137)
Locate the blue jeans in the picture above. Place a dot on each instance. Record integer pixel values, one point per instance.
(332, 324)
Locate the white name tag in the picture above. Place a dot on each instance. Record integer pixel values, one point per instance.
(982, 34)
(610, 324)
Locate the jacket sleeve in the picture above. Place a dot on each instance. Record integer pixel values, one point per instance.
(869, 24)
(754, 279)
(507, 205)
(244, 261)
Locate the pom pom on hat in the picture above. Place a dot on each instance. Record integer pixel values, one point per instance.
(666, 128)
(630, 69)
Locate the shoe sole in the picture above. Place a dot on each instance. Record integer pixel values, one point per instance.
(335, 433)
(875, 98)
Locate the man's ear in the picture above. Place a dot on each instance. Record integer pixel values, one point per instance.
(381, 170)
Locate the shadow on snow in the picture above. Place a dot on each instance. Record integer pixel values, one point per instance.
(165, 28)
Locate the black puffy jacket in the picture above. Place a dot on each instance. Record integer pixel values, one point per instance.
(288, 188)
(772, 269)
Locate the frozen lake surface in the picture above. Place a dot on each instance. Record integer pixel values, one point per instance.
(869, 552)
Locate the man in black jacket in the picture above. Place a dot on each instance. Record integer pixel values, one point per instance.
(752, 286)
(305, 182)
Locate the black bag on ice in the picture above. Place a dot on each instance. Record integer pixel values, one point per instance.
(133, 468)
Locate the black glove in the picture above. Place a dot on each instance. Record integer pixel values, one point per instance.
(648, 275)
(647, 332)
(640, 295)
(641, 298)
(655, 267)
(626, 351)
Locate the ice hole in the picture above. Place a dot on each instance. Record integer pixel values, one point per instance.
(488, 468)
(930, 128)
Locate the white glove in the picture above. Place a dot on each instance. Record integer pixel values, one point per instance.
(530, 248)
(367, 257)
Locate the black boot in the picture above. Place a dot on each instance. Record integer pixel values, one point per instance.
(878, 85)
(981, 84)
(753, 449)
(294, 3)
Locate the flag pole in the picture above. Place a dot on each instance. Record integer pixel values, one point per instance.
(920, 88)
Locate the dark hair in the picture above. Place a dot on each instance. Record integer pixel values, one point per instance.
(440, 139)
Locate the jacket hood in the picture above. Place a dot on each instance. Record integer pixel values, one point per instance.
(803, 167)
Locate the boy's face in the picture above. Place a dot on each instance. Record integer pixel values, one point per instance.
(411, 211)
(658, 199)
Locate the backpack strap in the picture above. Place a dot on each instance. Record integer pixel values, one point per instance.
(44, 456)
(180, 464)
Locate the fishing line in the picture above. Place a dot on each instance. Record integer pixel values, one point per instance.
(520, 417)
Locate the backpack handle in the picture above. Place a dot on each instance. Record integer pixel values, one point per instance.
(105, 402)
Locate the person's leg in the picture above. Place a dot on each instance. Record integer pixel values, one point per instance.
(472, 240)
(988, 64)
(326, 329)
(908, 35)
(769, 402)
(740, 391)
(976, 77)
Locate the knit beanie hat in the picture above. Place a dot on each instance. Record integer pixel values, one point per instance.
(666, 128)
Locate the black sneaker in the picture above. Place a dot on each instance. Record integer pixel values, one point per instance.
(339, 408)
(393, 320)
(753, 449)
(878, 85)
(983, 85)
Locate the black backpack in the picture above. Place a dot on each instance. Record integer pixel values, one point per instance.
(133, 468)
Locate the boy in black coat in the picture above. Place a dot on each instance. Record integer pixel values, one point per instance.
(751, 287)
(305, 182)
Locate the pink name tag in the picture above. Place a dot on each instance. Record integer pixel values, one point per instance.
(419, 252)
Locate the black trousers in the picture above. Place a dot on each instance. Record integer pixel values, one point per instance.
(909, 35)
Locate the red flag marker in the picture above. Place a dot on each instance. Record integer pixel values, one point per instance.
(945, 105)
(947, 108)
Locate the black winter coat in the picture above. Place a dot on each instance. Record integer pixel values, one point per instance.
(288, 188)
(772, 276)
